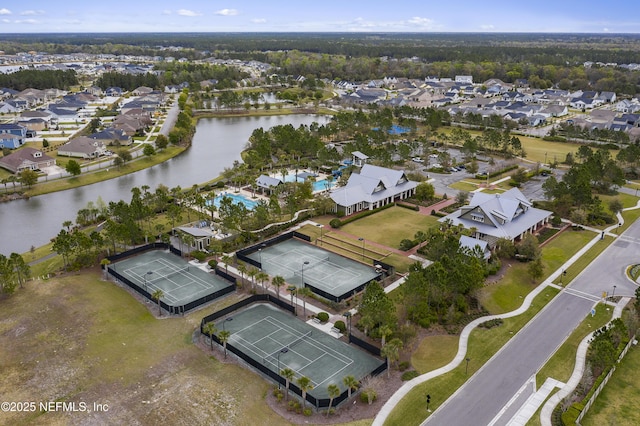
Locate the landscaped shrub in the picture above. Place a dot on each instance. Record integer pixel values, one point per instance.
(408, 375)
(323, 316)
(407, 244)
(492, 323)
(212, 263)
(340, 326)
(335, 223)
(307, 412)
(368, 396)
(200, 256)
(403, 365)
(408, 206)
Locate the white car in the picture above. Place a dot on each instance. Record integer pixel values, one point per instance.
(433, 156)
(418, 160)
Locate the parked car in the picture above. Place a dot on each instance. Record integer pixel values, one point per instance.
(418, 160)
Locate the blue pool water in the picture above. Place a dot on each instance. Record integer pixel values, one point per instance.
(319, 185)
(237, 199)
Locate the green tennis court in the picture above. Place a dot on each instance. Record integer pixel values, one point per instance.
(179, 281)
(335, 275)
(278, 340)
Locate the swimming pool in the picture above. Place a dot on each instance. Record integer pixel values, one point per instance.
(236, 199)
(321, 185)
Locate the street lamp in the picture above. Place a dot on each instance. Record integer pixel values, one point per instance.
(224, 322)
(292, 289)
(260, 256)
(362, 239)
(614, 293)
(306, 262)
(347, 315)
(282, 351)
(145, 279)
(319, 225)
(545, 158)
(466, 369)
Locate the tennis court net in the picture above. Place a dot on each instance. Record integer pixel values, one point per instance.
(169, 275)
(286, 348)
(317, 262)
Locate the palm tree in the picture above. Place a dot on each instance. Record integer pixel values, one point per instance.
(242, 268)
(157, 295)
(391, 351)
(288, 375)
(384, 331)
(226, 259)
(262, 276)
(210, 329)
(252, 274)
(105, 266)
(304, 383)
(224, 338)
(334, 391)
(278, 281)
(303, 292)
(351, 383)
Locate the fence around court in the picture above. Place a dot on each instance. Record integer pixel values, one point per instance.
(176, 310)
(255, 363)
(243, 254)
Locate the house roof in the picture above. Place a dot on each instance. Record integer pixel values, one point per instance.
(196, 232)
(509, 214)
(15, 159)
(471, 243)
(81, 144)
(265, 181)
(372, 184)
(359, 155)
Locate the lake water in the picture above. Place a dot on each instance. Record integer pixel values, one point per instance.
(217, 143)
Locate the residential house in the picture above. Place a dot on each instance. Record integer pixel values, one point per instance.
(112, 136)
(508, 215)
(373, 187)
(555, 111)
(26, 159)
(142, 90)
(33, 124)
(468, 79)
(8, 108)
(12, 135)
(82, 147)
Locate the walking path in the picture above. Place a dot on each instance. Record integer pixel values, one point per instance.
(464, 336)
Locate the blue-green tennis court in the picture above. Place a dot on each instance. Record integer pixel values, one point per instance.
(335, 276)
(180, 282)
(277, 340)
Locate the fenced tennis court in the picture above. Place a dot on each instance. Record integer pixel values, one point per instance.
(182, 284)
(326, 273)
(275, 340)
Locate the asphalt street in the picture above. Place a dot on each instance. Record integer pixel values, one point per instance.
(482, 399)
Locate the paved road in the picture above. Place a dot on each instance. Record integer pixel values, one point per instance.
(481, 401)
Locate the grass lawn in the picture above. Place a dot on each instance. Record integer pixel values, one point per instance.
(390, 226)
(619, 402)
(434, 352)
(81, 339)
(555, 151)
(561, 364)
(483, 344)
(89, 178)
(509, 293)
(464, 185)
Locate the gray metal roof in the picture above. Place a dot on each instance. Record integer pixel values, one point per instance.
(265, 181)
(372, 184)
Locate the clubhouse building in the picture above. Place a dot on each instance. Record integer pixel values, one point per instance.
(373, 187)
(508, 215)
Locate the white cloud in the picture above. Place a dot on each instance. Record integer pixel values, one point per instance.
(166, 12)
(32, 12)
(186, 12)
(27, 21)
(421, 22)
(487, 27)
(227, 12)
(6, 21)
(258, 20)
(5, 11)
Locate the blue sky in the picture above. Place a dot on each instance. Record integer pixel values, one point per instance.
(36, 16)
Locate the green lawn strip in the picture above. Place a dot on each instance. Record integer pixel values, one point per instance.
(561, 364)
(390, 226)
(584, 261)
(626, 199)
(619, 402)
(401, 263)
(434, 352)
(509, 292)
(483, 344)
(463, 185)
(104, 174)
